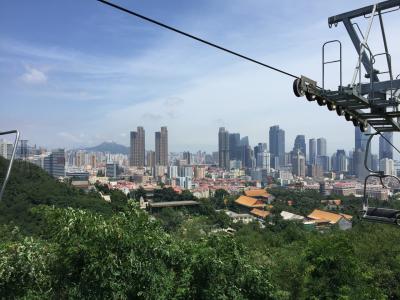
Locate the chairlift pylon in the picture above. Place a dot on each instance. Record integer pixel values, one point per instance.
(10, 164)
(374, 103)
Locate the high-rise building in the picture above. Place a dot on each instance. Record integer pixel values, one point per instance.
(299, 164)
(321, 147)
(360, 139)
(260, 148)
(6, 149)
(263, 160)
(172, 172)
(277, 146)
(374, 162)
(223, 148)
(312, 148)
(314, 171)
(358, 164)
(187, 157)
(234, 143)
(54, 163)
(162, 147)
(341, 161)
(244, 141)
(247, 156)
(137, 150)
(385, 149)
(300, 144)
(111, 170)
(199, 172)
(387, 166)
(150, 158)
(22, 149)
(325, 163)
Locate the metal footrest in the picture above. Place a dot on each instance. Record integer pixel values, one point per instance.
(384, 215)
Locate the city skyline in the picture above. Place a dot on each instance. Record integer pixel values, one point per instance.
(150, 143)
(112, 78)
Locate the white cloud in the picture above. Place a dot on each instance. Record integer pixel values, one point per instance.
(34, 76)
(194, 89)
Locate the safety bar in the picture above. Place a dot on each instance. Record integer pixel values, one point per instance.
(331, 61)
(389, 61)
(16, 132)
(378, 174)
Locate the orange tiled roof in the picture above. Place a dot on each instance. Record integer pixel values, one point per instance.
(348, 217)
(260, 213)
(249, 202)
(329, 216)
(256, 193)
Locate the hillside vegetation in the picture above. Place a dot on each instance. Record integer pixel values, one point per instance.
(59, 243)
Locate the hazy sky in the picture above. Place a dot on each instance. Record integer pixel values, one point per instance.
(76, 72)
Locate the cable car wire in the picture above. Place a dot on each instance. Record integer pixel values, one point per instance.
(123, 9)
(195, 38)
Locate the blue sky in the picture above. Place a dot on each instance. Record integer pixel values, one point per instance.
(75, 73)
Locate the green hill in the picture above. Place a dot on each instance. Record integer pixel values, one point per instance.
(30, 186)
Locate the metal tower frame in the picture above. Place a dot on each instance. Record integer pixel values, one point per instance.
(374, 103)
(3, 186)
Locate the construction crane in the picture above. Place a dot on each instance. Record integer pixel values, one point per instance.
(373, 103)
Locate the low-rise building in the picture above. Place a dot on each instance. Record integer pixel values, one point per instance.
(259, 213)
(342, 220)
(244, 218)
(288, 216)
(248, 203)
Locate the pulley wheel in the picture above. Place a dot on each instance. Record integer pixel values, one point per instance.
(321, 101)
(310, 97)
(348, 117)
(297, 88)
(331, 106)
(339, 110)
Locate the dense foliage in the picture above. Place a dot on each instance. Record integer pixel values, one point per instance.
(57, 242)
(30, 186)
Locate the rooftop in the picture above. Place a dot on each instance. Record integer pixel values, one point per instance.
(260, 213)
(328, 216)
(257, 193)
(249, 202)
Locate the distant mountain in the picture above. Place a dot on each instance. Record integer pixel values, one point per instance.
(110, 147)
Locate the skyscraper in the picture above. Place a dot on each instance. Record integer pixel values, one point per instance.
(385, 149)
(300, 144)
(137, 150)
(358, 163)
(150, 158)
(162, 147)
(260, 148)
(321, 147)
(187, 157)
(234, 143)
(277, 146)
(22, 149)
(223, 148)
(360, 139)
(247, 156)
(341, 161)
(299, 164)
(312, 148)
